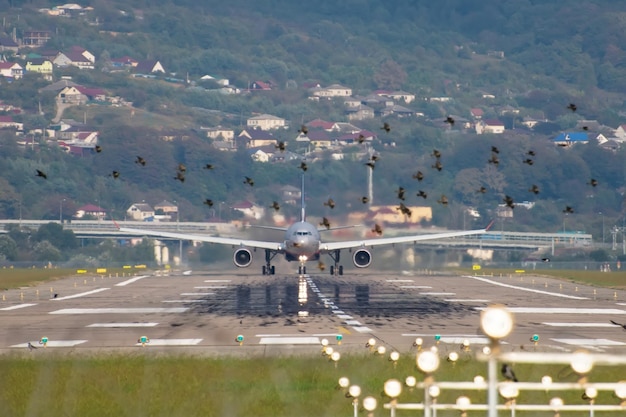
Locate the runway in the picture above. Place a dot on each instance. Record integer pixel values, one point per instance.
(232, 313)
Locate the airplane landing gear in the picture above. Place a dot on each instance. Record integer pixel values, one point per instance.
(302, 270)
(336, 269)
(268, 268)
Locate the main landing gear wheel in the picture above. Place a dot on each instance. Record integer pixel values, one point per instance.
(302, 270)
(269, 269)
(336, 269)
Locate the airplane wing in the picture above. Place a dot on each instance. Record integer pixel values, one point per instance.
(278, 246)
(329, 246)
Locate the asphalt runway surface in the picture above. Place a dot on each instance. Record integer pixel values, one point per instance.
(234, 313)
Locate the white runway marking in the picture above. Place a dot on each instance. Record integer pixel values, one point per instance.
(82, 294)
(116, 325)
(557, 324)
(130, 281)
(139, 310)
(501, 284)
(419, 287)
(400, 280)
(353, 323)
(15, 307)
(197, 293)
(344, 316)
(171, 342)
(184, 301)
(437, 293)
(561, 310)
(52, 343)
(338, 312)
(289, 341)
(210, 287)
(465, 300)
(589, 342)
(216, 280)
(454, 338)
(363, 329)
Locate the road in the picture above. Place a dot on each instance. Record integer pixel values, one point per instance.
(205, 312)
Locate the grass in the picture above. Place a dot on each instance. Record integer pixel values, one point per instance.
(147, 385)
(28, 277)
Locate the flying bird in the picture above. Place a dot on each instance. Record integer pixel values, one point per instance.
(450, 120)
(330, 203)
(364, 200)
(481, 190)
(321, 266)
(568, 209)
(534, 189)
(593, 182)
(377, 229)
(418, 176)
(422, 194)
(438, 165)
(528, 161)
(249, 181)
(400, 193)
(404, 209)
(507, 372)
(41, 174)
(98, 148)
(303, 166)
(371, 164)
(572, 107)
(180, 176)
(182, 167)
(585, 127)
(115, 174)
(494, 149)
(325, 223)
(436, 153)
(361, 138)
(443, 200)
(508, 200)
(208, 202)
(208, 166)
(275, 206)
(531, 153)
(494, 159)
(281, 146)
(140, 161)
(623, 326)
(386, 127)
(304, 130)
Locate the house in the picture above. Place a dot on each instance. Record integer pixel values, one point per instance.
(219, 81)
(396, 110)
(530, 122)
(11, 70)
(149, 67)
(8, 45)
(266, 122)
(260, 154)
(290, 194)
(254, 138)
(90, 210)
(620, 132)
(40, 65)
(140, 212)
(361, 112)
(36, 38)
(569, 138)
(343, 127)
(490, 126)
(73, 58)
(80, 95)
(124, 62)
(397, 95)
(8, 122)
(259, 86)
(319, 139)
(80, 50)
(350, 138)
(476, 113)
(221, 145)
(391, 215)
(320, 124)
(249, 209)
(334, 90)
(219, 132)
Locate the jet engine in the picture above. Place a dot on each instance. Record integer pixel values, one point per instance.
(362, 258)
(242, 258)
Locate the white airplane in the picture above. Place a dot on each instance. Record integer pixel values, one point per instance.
(302, 243)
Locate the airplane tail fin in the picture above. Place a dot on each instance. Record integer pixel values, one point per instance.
(302, 207)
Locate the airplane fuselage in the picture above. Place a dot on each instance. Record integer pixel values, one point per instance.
(302, 242)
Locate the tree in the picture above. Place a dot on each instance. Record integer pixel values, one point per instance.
(390, 76)
(46, 251)
(8, 248)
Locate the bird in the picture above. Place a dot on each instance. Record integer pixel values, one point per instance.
(418, 176)
(208, 166)
(568, 209)
(275, 206)
(507, 372)
(182, 167)
(377, 229)
(482, 190)
(180, 176)
(325, 223)
(31, 346)
(585, 127)
(400, 193)
(508, 200)
(361, 138)
(330, 203)
(572, 107)
(436, 153)
(321, 266)
(55, 295)
(208, 202)
(443, 200)
(534, 189)
(304, 130)
(593, 182)
(280, 146)
(41, 174)
(371, 164)
(404, 209)
(495, 149)
(450, 120)
(386, 127)
(528, 161)
(545, 259)
(364, 200)
(618, 324)
(438, 165)
(303, 166)
(249, 181)
(374, 157)
(140, 161)
(531, 153)
(422, 193)
(115, 174)
(98, 148)
(494, 159)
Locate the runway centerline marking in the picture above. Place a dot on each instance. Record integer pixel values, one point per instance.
(130, 281)
(116, 325)
(15, 307)
(589, 342)
(216, 280)
(561, 310)
(82, 294)
(197, 293)
(515, 287)
(138, 310)
(558, 324)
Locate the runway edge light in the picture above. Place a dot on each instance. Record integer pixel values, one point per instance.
(239, 339)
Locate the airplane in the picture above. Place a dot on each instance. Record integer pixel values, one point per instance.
(302, 243)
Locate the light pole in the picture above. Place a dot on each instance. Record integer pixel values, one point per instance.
(60, 211)
(602, 214)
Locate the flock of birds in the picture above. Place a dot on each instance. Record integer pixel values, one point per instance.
(181, 171)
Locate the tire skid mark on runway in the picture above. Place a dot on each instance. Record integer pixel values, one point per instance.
(515, 287)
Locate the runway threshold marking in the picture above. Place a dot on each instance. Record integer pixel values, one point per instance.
(184, 301)
(289, 341)
(515, 287)
(217, 280)
(17, 306)
(52, 343)
(210, 287)
(116, 325)
(197, 293)
(400, 280)
(82, 294)
(589, 342)
(130, 281)
(172, 342)
(557, 324)
(561, 310)
(138, 310)
(453, 339)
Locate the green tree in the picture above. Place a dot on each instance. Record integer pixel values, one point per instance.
(8, 248)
